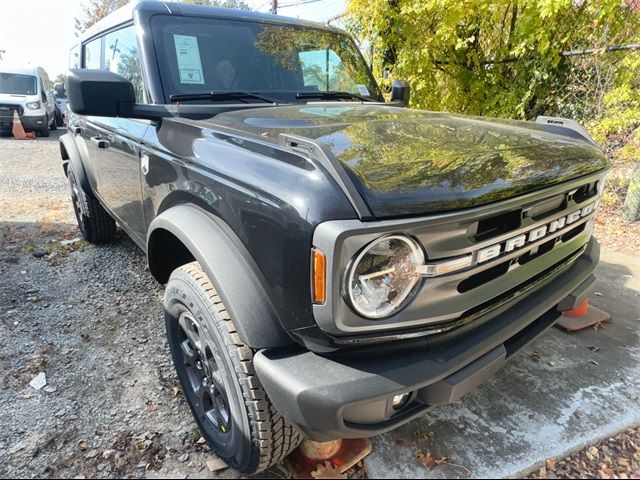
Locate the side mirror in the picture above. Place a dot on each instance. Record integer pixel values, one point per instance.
(99, 93)
(400, 93)
(59, 89)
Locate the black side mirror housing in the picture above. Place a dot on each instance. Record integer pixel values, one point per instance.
(98, 93)
(59, 89)
(400, 93)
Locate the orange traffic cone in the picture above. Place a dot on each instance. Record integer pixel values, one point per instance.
(17, 129)
(333, 458)
(583, 316)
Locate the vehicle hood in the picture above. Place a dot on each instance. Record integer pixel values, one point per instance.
(410, 162)
(15, 99)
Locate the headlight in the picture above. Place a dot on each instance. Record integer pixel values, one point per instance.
(33, 105)
(384, 276)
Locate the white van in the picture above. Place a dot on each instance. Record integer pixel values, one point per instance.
(29, 91)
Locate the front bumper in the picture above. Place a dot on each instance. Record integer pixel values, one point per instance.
(350, 397)
(29, 122)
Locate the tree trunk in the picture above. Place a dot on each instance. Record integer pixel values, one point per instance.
(632, 200)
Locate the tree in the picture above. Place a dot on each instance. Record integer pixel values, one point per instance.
(490, 57)
(95, 10)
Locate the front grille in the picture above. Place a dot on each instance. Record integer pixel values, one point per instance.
(510, 247)
(522, 288)
(8, 109)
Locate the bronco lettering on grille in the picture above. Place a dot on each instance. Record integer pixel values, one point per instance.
(537, 233)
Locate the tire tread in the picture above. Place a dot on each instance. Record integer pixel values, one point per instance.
(271, 435)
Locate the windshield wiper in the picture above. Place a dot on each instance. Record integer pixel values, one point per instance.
(213, 96)
(332, 95)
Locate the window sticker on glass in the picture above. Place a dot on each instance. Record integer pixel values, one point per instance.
(363, 90)
(189, 64)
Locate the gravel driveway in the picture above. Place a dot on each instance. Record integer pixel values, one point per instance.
(90, 319)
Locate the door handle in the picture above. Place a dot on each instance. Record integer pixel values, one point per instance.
(100, 142)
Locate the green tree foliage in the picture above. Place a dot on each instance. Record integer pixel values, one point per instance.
(488, 57)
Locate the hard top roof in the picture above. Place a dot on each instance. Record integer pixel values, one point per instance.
(126, 13)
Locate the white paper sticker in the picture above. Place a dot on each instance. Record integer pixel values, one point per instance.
(363, 90)
(189, 64)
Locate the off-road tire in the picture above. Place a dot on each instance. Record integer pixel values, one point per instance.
(95, 224)
(44, 131)
(258, 436)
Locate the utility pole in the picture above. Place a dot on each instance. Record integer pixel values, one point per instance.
(274, 7)
(2, 52)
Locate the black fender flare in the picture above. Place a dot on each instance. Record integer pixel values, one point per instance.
(72, 158)
(230, 268)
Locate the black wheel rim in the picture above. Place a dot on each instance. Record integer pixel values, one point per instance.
(75, 193)
(205, 378)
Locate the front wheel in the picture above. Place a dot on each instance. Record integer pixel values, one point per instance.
(95, 223)
(217, 376)
(44, 131)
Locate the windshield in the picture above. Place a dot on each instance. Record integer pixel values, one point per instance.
(288, 63)
(17, 84)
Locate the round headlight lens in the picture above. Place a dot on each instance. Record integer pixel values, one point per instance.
(384, 275)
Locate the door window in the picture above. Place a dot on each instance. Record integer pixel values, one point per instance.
(323, 70)
(121, 56)
(92, 51)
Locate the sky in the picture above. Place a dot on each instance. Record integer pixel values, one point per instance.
(41, 32)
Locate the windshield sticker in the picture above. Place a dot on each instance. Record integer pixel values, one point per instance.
(363, 90)
(189, 64)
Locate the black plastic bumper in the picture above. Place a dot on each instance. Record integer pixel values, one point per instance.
(29, 123)
(349, 397)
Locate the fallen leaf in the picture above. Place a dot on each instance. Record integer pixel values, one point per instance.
(176, 391)
(91, 454)
(216, 464)
(151, 407)
(429, 460)
(327, 470)
(550, 464)
(606, 473)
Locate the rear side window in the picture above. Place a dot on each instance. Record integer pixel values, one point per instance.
(92, 51)
(121, 56)
(74, 57)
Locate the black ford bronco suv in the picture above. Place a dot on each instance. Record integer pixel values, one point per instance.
(335, 265)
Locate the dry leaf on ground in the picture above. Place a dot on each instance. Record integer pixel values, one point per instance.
(429, 460)
(327, 470)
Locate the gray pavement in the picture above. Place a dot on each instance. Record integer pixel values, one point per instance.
(555, 396)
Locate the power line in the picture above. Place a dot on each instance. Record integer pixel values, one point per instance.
(611, 48)
(301, 2)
